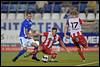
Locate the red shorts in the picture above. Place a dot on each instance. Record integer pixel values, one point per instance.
(46, 50)
(80, 40)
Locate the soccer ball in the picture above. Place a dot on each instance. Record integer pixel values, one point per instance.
(45, 58)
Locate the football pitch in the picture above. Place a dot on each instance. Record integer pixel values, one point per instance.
(63, 58)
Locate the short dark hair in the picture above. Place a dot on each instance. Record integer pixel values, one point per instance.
(28, 12)
(54, 28)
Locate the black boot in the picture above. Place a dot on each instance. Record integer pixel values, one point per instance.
(35, 58)
(15, 59)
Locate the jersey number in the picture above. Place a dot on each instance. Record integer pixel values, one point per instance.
(74, 25)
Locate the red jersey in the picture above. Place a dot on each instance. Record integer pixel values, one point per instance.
(50, 39)
(74, 26)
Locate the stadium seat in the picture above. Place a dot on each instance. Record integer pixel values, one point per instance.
(46, 16)
(22, 8)
(62, 15)
(50, 2)
(11, 16)
(58, 2)
(31, 8)
(3, 16)
(97, 16)
(82, 7)
(20, 16)
(37, 16)
(57, 8)
(90, 16)
(13, 8)
(82, 16)
(55, 16)
(47, 8)
(4, 8)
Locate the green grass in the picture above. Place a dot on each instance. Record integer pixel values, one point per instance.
(64, 59)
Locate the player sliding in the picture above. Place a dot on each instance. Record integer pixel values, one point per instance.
(45, 47)
(73, 25)
(25, 36)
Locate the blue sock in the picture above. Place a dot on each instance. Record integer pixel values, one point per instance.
(21, 53)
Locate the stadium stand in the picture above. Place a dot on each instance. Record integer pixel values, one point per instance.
(4, 8)
(11, 16)
(57, 8)
(90, 16)
(91, 6)
(62, 15)
(3, 16)
(97, 16)
(46, 16)
(37, 16)
(20, 16)
(82, 16)
(55, 16)
(32, 8)
(13, 8)
(51, 10)
(47, 8)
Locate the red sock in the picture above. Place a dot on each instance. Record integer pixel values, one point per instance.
(81, 54)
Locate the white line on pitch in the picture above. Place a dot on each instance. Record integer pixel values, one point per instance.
(88, 63)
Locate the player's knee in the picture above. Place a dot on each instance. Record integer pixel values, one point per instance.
(54, 55)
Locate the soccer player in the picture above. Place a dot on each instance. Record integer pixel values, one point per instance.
(73, 25)
(51, 37)
(25, 36)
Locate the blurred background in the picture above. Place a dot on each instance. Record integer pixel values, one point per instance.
(45, 15)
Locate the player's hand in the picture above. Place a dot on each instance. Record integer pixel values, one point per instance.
(29, 35)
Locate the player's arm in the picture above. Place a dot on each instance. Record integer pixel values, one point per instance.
(34, 33)
(62, 44)
(29, 32)
(65, 30)
(26, 32)
(42, 34)
(84, 23)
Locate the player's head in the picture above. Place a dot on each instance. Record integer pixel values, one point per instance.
(28, 15)
(74, 13)
(54, 31)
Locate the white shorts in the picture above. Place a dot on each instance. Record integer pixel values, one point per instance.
(27, 42)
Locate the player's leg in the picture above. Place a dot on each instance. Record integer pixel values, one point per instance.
(23, 48)
(35, 50)
(50, 52)
(35, 44)
(81, 53)
(83, 41)
(79, 48)
(34, 53)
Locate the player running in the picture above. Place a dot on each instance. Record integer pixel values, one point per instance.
(25, 36)
(73, 25)
(45, 47)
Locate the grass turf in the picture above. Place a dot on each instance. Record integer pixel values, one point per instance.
(64, 59)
